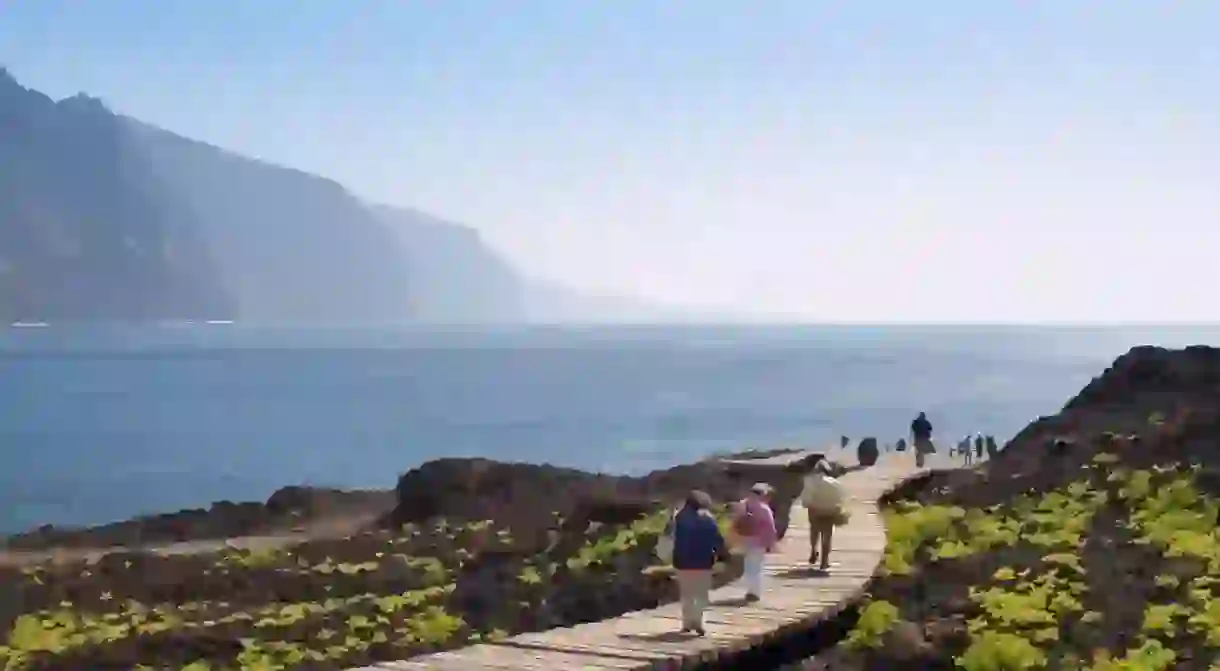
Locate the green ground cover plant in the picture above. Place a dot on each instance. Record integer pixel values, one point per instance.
(1109, 561)
(380, 595)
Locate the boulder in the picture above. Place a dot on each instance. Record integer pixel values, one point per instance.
(292, 499)
(611, 510)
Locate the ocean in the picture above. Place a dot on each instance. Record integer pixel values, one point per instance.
(99, 424)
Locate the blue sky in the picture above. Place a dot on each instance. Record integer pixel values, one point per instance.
(878, 161)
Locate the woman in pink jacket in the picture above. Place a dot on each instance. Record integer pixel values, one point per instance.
(755, 527)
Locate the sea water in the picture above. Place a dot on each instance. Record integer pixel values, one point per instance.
(102, 423)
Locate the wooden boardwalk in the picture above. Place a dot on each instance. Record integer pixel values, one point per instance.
(794, 596)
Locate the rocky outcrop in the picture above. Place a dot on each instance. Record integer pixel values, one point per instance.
(1135, 458)
(1148, 396)
(477, 489)
(1147, 388)
(1152, 377)
(314, 502)
(525, 496)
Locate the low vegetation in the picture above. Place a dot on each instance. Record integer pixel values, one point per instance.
(1103, 557)
(375, 596)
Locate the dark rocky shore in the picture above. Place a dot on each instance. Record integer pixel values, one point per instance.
(456, 488)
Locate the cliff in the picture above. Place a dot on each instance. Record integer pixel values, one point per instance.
(104, 217)
(456, 276)
(84, 231)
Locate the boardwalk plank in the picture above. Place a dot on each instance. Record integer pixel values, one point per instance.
(794, 595)
(577, 646)
(505, 657)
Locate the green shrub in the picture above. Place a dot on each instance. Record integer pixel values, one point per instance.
(876, 620)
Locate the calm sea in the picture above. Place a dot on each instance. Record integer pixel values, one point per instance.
(98, 424)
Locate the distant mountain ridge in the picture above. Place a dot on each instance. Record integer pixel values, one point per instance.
(83, 234)
(104, 217)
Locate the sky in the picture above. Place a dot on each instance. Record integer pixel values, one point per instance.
(1035, 161)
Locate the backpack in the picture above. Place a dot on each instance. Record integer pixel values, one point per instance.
(822, 494)
(745, 523)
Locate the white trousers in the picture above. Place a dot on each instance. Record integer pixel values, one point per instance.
(752, 574)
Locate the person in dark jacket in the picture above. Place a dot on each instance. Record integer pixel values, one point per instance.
(921, 432)
(992, 448)
(698, 545)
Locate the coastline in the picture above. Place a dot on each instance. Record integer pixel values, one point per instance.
(290, 514)
(471, 550)
(477, 551)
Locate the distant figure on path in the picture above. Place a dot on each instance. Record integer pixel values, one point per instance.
(963, 449)
(921, 433)
(978, 446)
(698, 545)
(844, 441)
(902, 445)
(754, 524)
(867, 452)
(823, 498)
(992, 449)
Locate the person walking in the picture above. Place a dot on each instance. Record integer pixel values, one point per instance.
(823, 497)
(754, 524)
(921, 433)
(698, 545)
(963, 449)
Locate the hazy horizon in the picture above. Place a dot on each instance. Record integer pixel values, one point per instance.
(1032, 162)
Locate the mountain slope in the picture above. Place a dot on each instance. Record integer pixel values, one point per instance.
(457, 278)
(289, 246)
(104, 217)
(83, 233)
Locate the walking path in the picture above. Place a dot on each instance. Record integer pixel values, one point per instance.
(794, 597)
(325, 528)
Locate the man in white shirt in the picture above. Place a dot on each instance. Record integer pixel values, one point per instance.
(823, 498)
